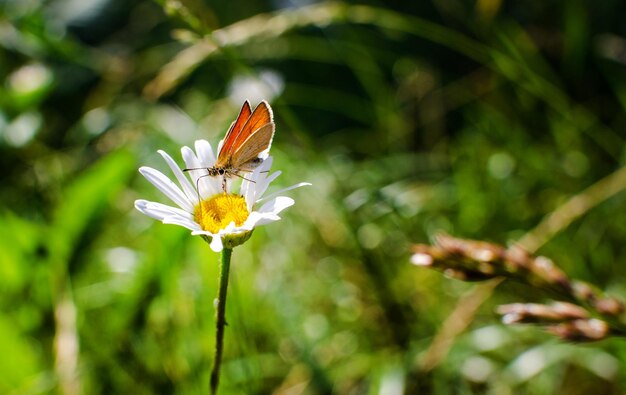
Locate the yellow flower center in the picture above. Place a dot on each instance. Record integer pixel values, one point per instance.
(217, 212)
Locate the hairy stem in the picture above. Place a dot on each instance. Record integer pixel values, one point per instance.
(220, 321)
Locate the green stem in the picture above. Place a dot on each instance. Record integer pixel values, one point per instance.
(220, 321)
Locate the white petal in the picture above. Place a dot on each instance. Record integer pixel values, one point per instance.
(166, 186)
(206, 185)
(216, 243)
(264, 154)
(184, 222)
(248, 196)
(256, 219)
(301, 184)
(251, 221)
(266, 165)
(190, 158)
(229, 184)
(201, 232)
(276, 205)
(189, 190)
(247, 189)
(266, 219)
(255, 182)
(263, 169)
(247, 185)
(229, 228)
(142, 205)
(262, 185)
(160, 211)
(205, 153)
(209, 186)
(260, 173)
(216, 240)
(199, 171)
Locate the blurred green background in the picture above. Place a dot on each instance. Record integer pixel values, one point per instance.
(408, 117)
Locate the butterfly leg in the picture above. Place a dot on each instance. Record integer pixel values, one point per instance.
(244, 178)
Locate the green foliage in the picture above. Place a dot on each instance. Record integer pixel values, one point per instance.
(477, 118)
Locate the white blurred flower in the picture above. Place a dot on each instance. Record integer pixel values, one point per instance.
(224, 219)
(265, 85)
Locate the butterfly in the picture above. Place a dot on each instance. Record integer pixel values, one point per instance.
(250, 135)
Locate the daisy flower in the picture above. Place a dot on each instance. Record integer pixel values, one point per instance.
(225, 220)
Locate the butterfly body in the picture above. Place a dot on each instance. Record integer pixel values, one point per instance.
(247, 138)
(230, 170)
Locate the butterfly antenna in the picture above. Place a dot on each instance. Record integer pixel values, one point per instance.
(194, 168)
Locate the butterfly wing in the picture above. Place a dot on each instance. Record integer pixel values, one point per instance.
(261, 116)
(244, 158)
(228, 147)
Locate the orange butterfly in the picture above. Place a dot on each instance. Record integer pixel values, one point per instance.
(250, 135)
